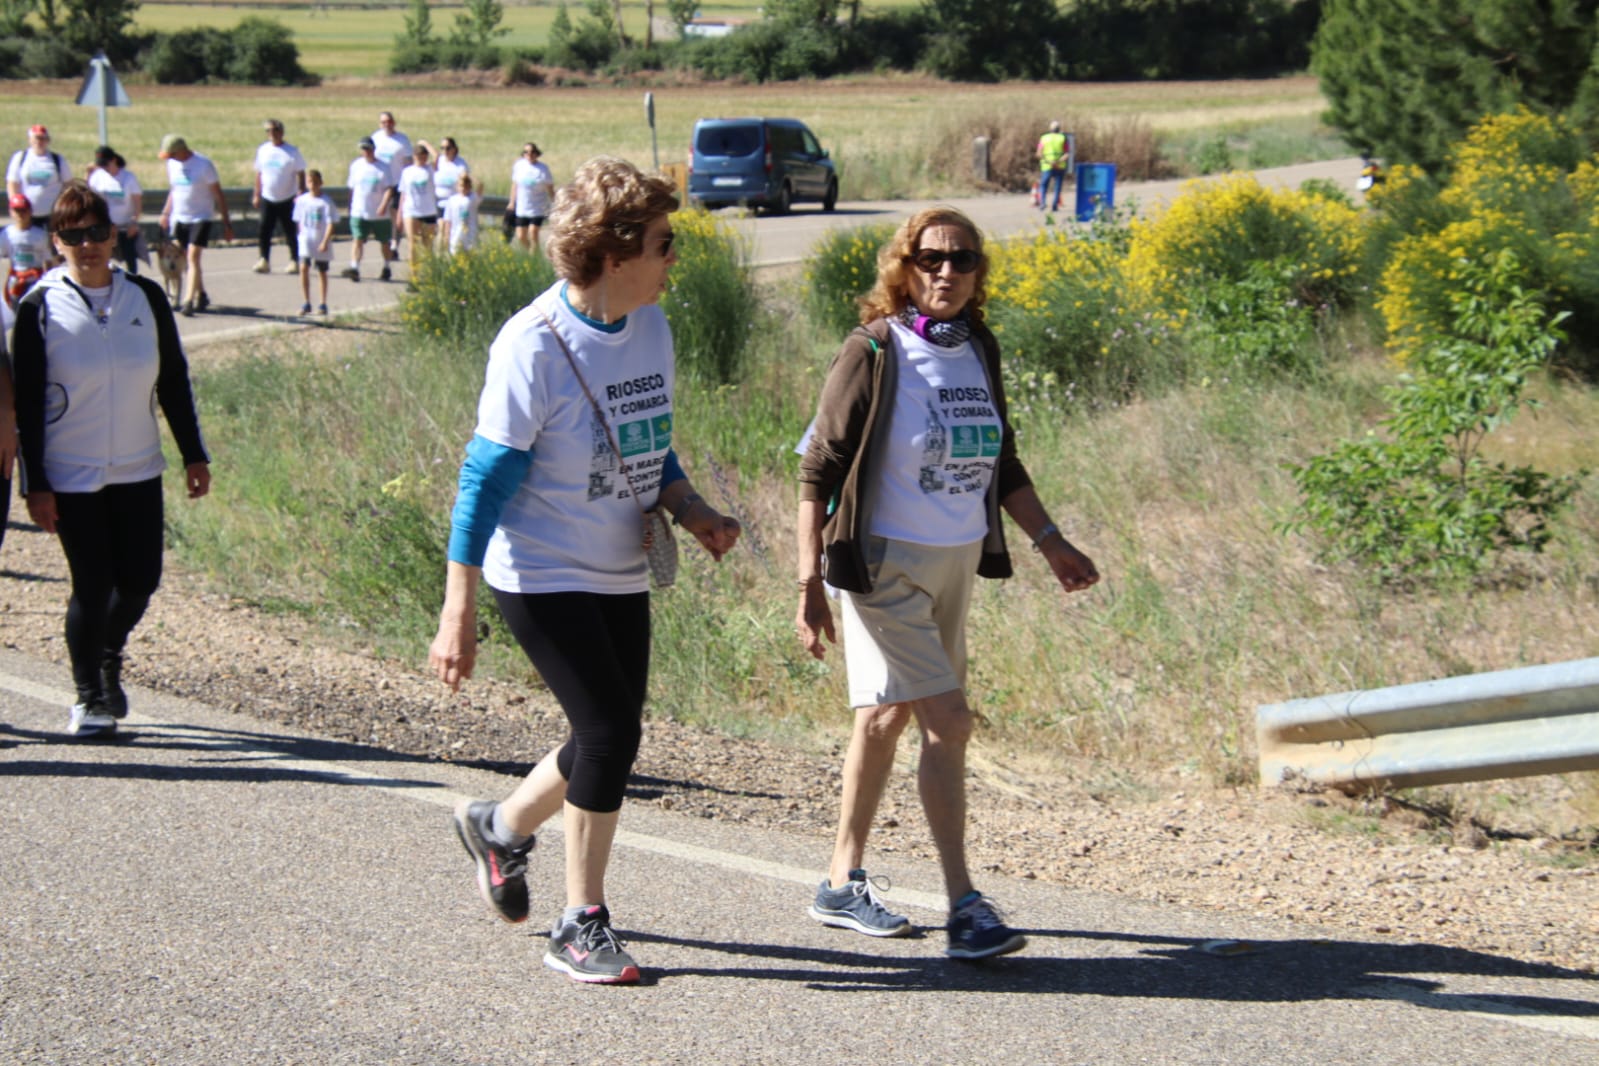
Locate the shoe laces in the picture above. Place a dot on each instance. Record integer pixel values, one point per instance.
(869, 887)
(513, 861)
(982, 913)
(596, 934)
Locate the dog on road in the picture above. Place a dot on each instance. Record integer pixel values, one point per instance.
(173, 266)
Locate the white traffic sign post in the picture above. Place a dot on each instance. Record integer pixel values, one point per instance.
(102, 89)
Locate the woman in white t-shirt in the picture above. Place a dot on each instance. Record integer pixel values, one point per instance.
(448, 170)
(532, 188)
(111, 178)
(419, 206)
(917, 389)
(550, 513)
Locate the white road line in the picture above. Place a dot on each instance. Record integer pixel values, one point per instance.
(447, 798)
(1491, 1010)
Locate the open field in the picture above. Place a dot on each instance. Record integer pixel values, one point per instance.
(861, 121)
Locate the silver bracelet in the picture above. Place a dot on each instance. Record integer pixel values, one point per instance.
(1044, 534)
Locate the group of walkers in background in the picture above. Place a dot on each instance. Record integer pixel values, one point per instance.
(399, 190)
(908, 465)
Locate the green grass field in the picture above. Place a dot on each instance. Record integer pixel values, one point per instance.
(859, 120)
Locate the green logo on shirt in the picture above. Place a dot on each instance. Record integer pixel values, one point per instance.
(635, 437)
(662, 427)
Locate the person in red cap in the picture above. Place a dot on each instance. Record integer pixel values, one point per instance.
(26, 244)
(37, 172)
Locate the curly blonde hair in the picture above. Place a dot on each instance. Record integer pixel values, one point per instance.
(602, 214)
(891, 293)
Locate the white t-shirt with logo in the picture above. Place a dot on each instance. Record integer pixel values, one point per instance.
(118, 190)
(943, 445)
(573, 525)
(416, 192)
(530, 184)
(447, 175)
(367, 182)
(280, 166)
(40, 178)
(191, 180)
(315, 214)
(28, 249)
(461, 212)
(394, 152)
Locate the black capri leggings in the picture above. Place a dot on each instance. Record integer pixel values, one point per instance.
(112, 541)
(593, 651)
(278, 214)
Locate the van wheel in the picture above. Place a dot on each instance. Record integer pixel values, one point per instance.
(830, 198)
(785, 197)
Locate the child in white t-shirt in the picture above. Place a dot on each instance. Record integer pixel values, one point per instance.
(458, 224)
(28, 247)
(315, 215)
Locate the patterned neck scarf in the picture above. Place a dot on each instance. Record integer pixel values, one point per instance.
(951, 334)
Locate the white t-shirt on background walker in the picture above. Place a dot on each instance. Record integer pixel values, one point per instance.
(530, 185)
(367, 182)
(447, 175)
(191, 180)
(416, 192)
(280, 166)
(28, 249)
(41, 178)
(460, 211)
(573, 525)
(943, 445)
(118, 191)
(393, 151)
(315, 214)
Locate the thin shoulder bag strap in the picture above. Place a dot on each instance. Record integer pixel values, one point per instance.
(599, 414)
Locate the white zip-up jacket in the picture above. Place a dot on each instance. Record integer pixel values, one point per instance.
(87, 385)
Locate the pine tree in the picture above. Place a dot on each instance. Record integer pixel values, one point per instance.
(1406, 78)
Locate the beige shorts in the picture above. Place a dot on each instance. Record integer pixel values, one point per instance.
(906, 639)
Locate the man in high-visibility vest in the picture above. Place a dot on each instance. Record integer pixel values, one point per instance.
(1052, 160)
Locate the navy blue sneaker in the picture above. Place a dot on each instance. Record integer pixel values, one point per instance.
(976, 931)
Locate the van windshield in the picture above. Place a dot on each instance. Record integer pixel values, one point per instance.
(743, 139)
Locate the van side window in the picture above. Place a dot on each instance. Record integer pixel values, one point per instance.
(812, 149)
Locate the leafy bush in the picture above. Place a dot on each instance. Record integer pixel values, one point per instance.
(1223, 229)
(258, 51)
(264, 53)
(462, 300)
(1518, 182)
(710, 300)
(49, 57)
(1425, 503)
(841, 268)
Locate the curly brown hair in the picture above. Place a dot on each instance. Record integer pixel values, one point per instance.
(602, 214)
(891, 292)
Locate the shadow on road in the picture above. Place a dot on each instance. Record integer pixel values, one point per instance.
(1176, 967)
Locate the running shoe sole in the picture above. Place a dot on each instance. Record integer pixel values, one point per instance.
(1015, 943)
(628, 976)
(845, 920)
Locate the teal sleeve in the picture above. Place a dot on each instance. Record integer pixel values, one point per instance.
(489, 478)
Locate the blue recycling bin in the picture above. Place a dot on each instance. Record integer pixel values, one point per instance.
(1096, 190)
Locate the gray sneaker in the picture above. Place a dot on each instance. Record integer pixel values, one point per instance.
(978, 931)
(856, 906)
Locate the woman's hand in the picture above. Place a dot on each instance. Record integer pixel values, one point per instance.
(814, 619)
(453, 652)
(1074, 570)
(197, 477)
(42, 509)
(716, 532)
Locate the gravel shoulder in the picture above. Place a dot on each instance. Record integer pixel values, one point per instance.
(1343, 868)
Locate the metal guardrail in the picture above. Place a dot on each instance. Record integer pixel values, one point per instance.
(1510, 723)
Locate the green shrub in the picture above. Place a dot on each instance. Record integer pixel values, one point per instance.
(1424, 503)
(258, 51)
(840, 269)
(462, 300)
(710, 300)
(264, 53)
(50, 57)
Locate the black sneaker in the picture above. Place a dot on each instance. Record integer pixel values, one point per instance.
(116, 700)
(856, 906)
(500, 870)
(976, 931)
(205, 300)
(588, 949)
(384, 275)
(89, 719)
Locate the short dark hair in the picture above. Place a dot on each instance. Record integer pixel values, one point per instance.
(78, 204)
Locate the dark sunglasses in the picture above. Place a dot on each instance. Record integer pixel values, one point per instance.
(78, 234)
(931, 260)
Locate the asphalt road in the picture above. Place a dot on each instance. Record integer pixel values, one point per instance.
(246, 304)
(211, 889)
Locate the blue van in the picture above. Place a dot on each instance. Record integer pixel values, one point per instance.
(770, 163)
